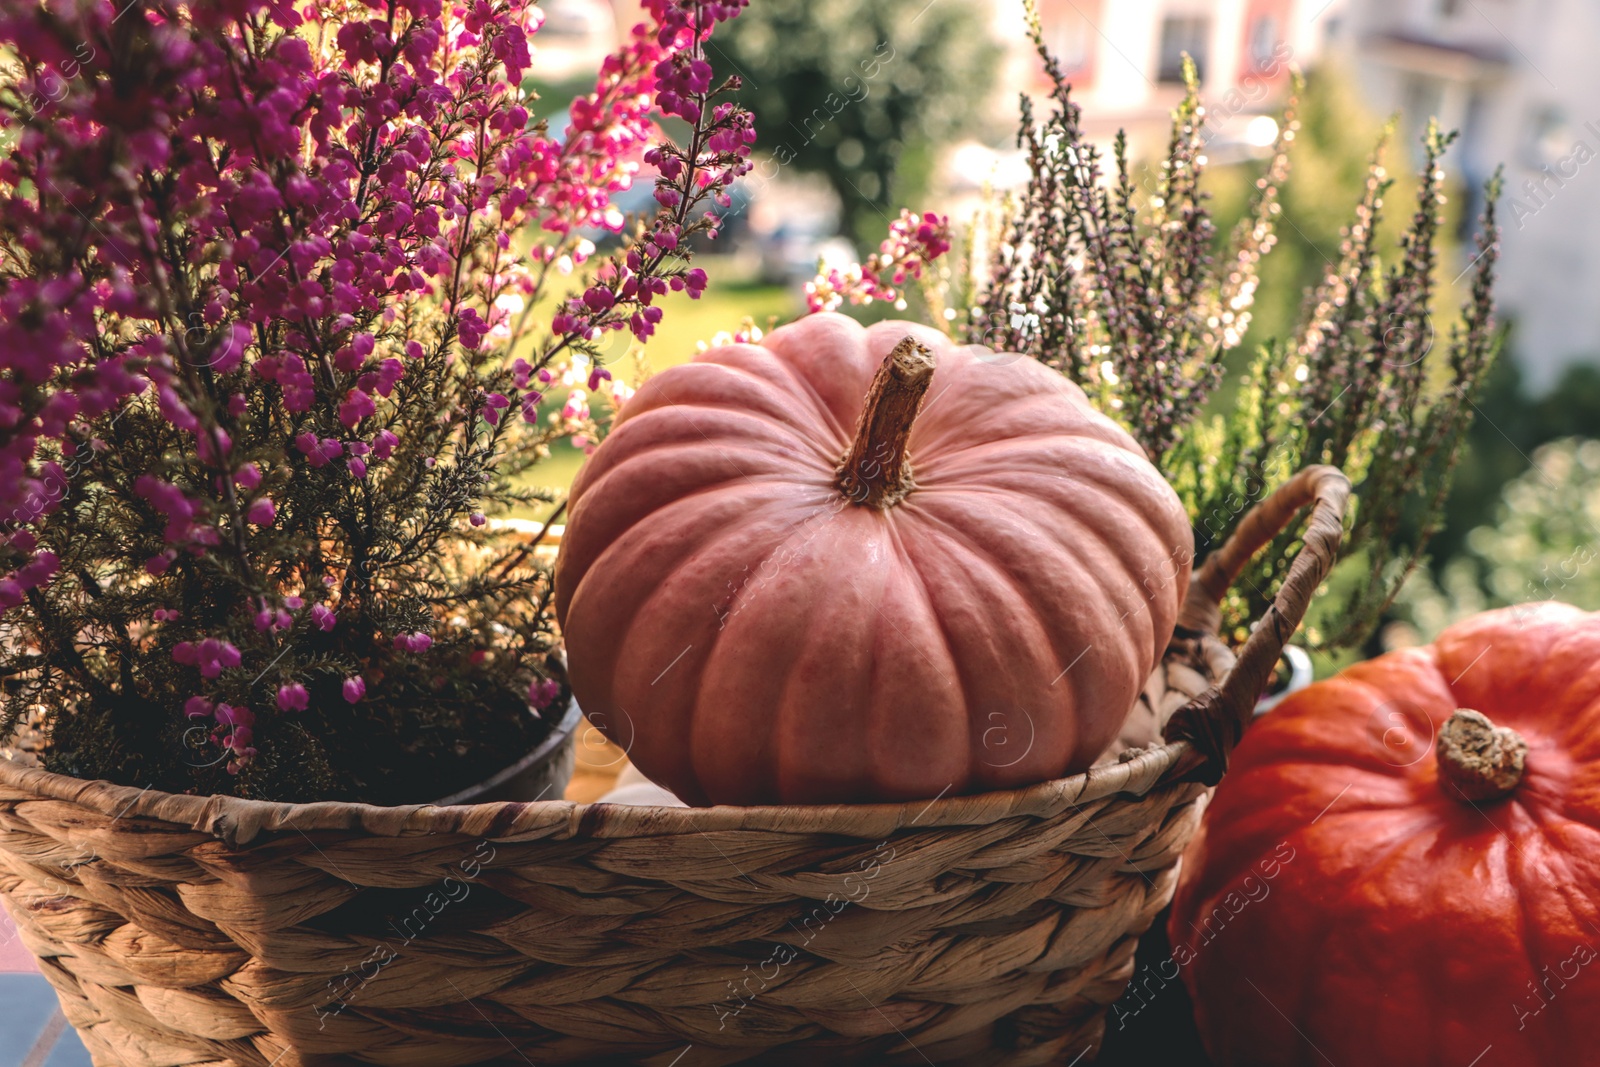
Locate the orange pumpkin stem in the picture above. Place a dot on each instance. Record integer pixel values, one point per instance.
(876, 472)
(1477, 759)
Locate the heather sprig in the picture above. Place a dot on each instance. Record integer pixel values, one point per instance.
(1362, 387)
(265, 270)
(1113, 277)
(914, 242)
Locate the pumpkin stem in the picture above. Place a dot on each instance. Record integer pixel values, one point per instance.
(876, 471)
(1478, 760)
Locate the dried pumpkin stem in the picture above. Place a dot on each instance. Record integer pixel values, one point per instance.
(876, 472)
(1477, 759)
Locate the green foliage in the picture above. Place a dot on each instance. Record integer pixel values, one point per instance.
(1544, 545)
(1361, 387)
(854, 89)
(1511, 426)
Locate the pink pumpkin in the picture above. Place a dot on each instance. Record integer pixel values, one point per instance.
(853, 564)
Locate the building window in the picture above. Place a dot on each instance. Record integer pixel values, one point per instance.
(1550, 137)
(1263, 40)
(1180, 35)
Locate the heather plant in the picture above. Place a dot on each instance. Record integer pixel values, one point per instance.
(279, 314)
(1117, 278)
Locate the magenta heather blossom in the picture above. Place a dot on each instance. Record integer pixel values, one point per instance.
(914, 241)
(255, 334)
(542, 692)
(293, 697)
(413, 642)
(210, 655)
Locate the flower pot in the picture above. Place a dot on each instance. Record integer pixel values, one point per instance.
(542, 774)
(976, 930)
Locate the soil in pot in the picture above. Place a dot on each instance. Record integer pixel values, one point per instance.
(429, 738)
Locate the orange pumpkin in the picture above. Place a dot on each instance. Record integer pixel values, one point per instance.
(853, 564)
(1402, 866)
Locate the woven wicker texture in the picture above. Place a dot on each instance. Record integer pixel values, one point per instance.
(990, 929)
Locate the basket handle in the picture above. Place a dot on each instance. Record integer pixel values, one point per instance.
(1214, 721)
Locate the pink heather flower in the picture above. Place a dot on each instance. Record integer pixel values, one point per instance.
(471, 328)
(296, 277)
(914, 241)
(383, 444)
(417, 642)
(387, 376)
(354, 689)
(318, 453)
(478, 518)
(356, 406)
(197, 708)
(598, 375)
(542, 692)
(229, 715)
(270, 618)
(293, 603)
(576, 409)
(211, 656)
(293, 697)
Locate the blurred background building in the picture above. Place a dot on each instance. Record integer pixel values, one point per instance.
(1517, 78)
(867, 106)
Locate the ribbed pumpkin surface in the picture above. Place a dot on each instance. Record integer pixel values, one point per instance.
(751, 635)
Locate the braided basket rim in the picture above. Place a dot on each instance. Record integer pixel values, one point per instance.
(239, 821)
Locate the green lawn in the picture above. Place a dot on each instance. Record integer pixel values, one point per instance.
(686, 322)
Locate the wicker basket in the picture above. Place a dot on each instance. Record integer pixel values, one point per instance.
(991, 929)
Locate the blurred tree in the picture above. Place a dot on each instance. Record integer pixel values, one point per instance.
(856, 89)
(1510, 426)
(1543, 545)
